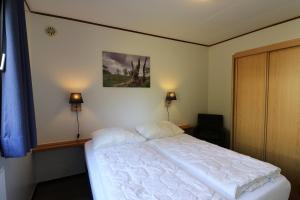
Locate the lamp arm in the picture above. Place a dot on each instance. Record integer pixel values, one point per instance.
(78, 133)
(168, 113)
(168, 103)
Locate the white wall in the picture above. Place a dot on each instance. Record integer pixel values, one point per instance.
(220, 63)
(72, 61)
(58, 163)
(18, 177)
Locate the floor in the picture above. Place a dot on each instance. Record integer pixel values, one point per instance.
(74, 188)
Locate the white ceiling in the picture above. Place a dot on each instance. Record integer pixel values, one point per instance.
(200, 21)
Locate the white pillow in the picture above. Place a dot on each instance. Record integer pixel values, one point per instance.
(159, 130)
(114, 136)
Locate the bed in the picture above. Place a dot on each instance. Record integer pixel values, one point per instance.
(124, 165)
(138, 172)
(223, 169)
(275, 190)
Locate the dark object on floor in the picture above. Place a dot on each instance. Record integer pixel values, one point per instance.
(70, 188)
(211, 129)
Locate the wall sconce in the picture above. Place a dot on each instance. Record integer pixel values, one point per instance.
(76, 101)
(171, 96)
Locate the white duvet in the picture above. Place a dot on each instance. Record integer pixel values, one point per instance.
(138, 172)
(228, 172)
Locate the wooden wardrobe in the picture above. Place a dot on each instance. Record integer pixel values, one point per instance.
(266, 119)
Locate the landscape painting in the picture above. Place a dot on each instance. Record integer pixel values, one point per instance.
(123, 70)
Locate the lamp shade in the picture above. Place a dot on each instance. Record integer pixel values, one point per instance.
(75, 98)
(171, 96)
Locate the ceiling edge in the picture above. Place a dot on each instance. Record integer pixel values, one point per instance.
(256, 30)
(112, 27)
(154, 35)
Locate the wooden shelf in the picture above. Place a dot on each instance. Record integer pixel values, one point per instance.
(184, 126)
(60, 145)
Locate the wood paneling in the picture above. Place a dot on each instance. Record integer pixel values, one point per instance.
(283, 129)
(250, 100)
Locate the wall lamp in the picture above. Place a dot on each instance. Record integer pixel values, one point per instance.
(171, 96)
(76, 101)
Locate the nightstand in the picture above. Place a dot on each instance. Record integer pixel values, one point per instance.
(188, 129)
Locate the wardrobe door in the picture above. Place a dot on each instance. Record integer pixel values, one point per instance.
(283, 129)
(249, 108)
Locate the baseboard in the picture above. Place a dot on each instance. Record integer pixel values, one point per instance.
(59, 179)
(32, 192)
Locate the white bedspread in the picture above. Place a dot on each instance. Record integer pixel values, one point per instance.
(228, 172)
(138, 172)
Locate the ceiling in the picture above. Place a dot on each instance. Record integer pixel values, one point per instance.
(200, 21)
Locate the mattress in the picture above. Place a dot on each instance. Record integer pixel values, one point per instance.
(229, 173)
(139, 172)
(96, 182)
(278, 189)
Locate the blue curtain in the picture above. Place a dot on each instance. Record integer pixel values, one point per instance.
(18, 129)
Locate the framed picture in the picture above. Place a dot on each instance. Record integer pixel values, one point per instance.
(124, 70)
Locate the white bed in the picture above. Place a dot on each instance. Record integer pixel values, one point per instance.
(102, 189)
(138, 172)
(231, 174)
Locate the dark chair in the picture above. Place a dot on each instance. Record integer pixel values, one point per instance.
(211, 129)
